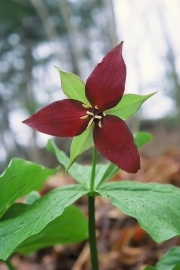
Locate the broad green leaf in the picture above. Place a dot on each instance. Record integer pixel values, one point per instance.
(32, 197)
(60, 155)
(14, 231)
(17, 209)
(14, 210)
(111, 170)
(155, 206)
(177, 267)
(128, 105)
(73, 86)
(19, 178)
(70, 227)
(103, 171)
(81, 173)
(140, 139)
(100, 170)
(80, 144)
(170, 259)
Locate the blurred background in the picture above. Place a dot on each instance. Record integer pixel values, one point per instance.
(35, 36)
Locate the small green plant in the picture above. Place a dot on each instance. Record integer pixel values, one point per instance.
(94, 114)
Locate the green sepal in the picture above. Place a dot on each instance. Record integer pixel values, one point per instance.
(128, 105)
(80, 144)
(73, 86)
(141, 138)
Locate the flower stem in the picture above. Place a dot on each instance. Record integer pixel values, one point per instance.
(93, 169)
(9, 264)
(91, 219)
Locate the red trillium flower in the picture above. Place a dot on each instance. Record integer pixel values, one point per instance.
(70, 117)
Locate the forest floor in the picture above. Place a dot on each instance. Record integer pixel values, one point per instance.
(122, 243)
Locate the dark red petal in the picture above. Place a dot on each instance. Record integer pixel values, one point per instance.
(60, 118)
(115, 142)
(105, 85)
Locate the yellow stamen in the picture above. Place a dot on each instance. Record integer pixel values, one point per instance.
(86, 106)
(96, 107)
(83, 117)
(104, 113)
(90, 122)
(90, 113)
(98, 116)
(99, 124)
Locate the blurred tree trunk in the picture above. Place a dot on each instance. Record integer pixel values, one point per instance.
(48, 23)
(172, 74)
(65, 12)
(108, 5)
(52, 34)
(43, 13)
(7, 130)
(29, 101)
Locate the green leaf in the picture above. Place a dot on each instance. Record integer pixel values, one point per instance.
(73, 86)
(103, 171)
(19, 178)
(80, 144)
(111, 170)
(32, 197)
(14, 210)
(80, 173)
(60, 155)
(70, 227)
(177, 267)
(17, 209)
(155, 206)
(14, 231)
(140, 139)
(128, 105)
(170, 259)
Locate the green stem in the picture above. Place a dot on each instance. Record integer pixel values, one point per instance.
(92, 233)
(93, 169)
(9, 264)
(91, 219)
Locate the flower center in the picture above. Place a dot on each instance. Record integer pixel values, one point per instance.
(95, 114)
